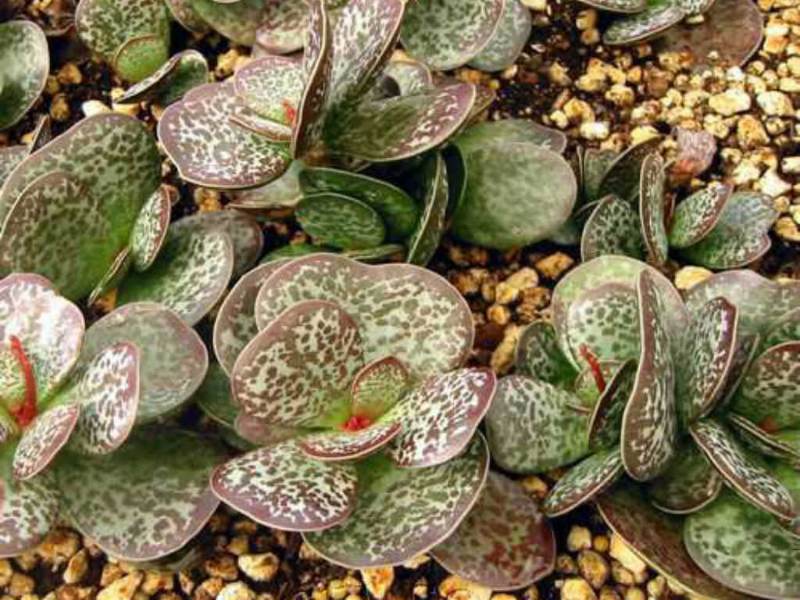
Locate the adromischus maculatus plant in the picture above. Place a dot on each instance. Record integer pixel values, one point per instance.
(76, 433)
(696, 403)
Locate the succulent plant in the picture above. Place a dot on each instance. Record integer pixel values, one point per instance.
(627, 212)
(69, 401)
(170, 82)
(445, 34)
(694, 401)
(24, 66)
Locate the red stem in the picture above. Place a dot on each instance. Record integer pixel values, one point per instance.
(594, 365)
(357, 423)
(25, 413)
(290, 111)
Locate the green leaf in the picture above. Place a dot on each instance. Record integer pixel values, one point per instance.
(340, 221)
(688, 485)
(431, 331)
(115, 273)
(584, 481)
(349, 445)
(34, 313)
(533, 427)
(516, 194)
(511, 130)
(605, 424)
(214, 397)
(655, 537)
(283, 26)
(538, 355)
(237, 21)
(739, 236)
(508, 41)
(273, 131)
(595, 165)
(270, 86)
(168, 470)
(614, 227)
(618, 6)
(42, 441)
(189, 276)
(431, 224)
(650, 421)
(10, 157)
(696, 216)
(402, 126)
(294, 372)
(741, 471)
(173, 357)
(378, 386)
(397, 209)
(182, 72)
(283, 192)
(651, 209)
(140, 57)
(446, 34)
(126, 169)
(402, 513)
(744, 548)
(279, 486)
(786, 329)
(504, 543)
(186, 16)
(760, 440)
(696, 148)
(440, 416)
(150, 229)
(228, 157)
(30, 509)
(411, 76)
(644, 25)
(622, 176)
(24, 65)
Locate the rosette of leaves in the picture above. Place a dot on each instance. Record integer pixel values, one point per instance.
(628, 212)
(348, 379)
(24, 65)
(130, 35)
(69, 400)
(446, 34)
(245, 132)
(693, 401)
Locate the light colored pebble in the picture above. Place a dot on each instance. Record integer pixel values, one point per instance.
(259, 567)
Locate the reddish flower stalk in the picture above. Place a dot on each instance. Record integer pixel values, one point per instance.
(25, 413)
(594, 366)
(290, 111)
(357, 423)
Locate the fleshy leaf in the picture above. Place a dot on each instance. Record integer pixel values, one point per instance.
(295, 370)
(150, 229)
(740, 234)
(169, 472)
(173, 357)
(697, 215)
(431, 224)
(707, 357)
(259, 433)
(689, 484)
(504, 542)
(209, 150)
(41, 442)
(614, 227)
(214, 397)
(30, 509)
(516, 194)
(696, 149)
(762, 441)
(538, 355)
(186, 16)
(584, 481)
(532, 426)
(271, 86)
(189, 276)
(650, 421)
(649, 23)
(281, 487)
(237, 21)
(273, 131)
(283, 192)
(139, 57)
(651, 209)
(511, 130)
(346, 445)
(623, 175)
(595, 165)
(401, 310)
(769, 392)
(786, 329)
(402, 513)
(605, 423)
(283, 26)
(402, 126)
(378, 386)
(440, 417)
(411, 76)
(508, 40)
(397, 209)
(340, 221)
(752, 481)
(107, 392)
(446, 34)
(181, 73)
(744, 548)
(618, 6)
(24, 65)
(10, 157)
(656, 538)
(115, 273)
(49, 328)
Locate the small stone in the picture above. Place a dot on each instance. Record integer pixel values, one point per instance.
(634, 593)
(620, 95)
(236, 591)
(226, 63)
(772, 184)
(378, 580)
(587, 19)
(77, 567)
(420, 589)
(609, 593)
(623, 553)
(498, 313)
(239, 545)
(746, 172)
(503, 356)
(123, 588)
(111, 572)
(456, 588)
(790, 164)
(775, 104)
(337, 589)
(621, 575)
(787, 229)
(259, 567)
(91, 108)
(578, 111)
(157, 581)
(579, 538)
(566, 565)
(595, 130)
(20, 585)
(593, 568)
(730, 102)
(209, 589)
(503, 597)
(577, 589)
(5, 572)
(69, 74)
(559, 75)
(554, 265)
(656, 588)
(222, 566)
(688, 277)
(750, 132)
(559, 119)
(601, 543)
(207, 200)
(59, 108)
(537, 5)
(535, 486)
(417, 562)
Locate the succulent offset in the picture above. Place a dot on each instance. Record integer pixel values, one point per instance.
(694, 401)
(24, 64)
(69, 400)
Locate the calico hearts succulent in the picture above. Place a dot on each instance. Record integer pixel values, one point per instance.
(69, 400)
(24, 65)
(693, 401)
(626, 211)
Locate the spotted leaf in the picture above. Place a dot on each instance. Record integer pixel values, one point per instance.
(283, 192)
(283, 26)
(402, 513)
(595, 165)
(41, 442)
(622, 176)
(340, 221)
(538, 355)
(532, 426)
(173, 357)
(25, 61)
(605, 424)
(214, 397)
(150, 229)
(411, 76)
(619, 6)
(30, 509)
(10, 157)
(697, 215)
(378, 386)
(613, 227)
(186, 16)
(237, 21)
(689, 484)
(169, 471)
(271, 86)
(696, 149)
(504, 542)
(281, 487)
(349, 445)
(508, 40)
(511, 130)
(113, 276)
(651, 209)
(433, 188)
(584, 481)
(400, 310)
(653, 20)
(763, 442)
(649, 424)
(182, 72)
